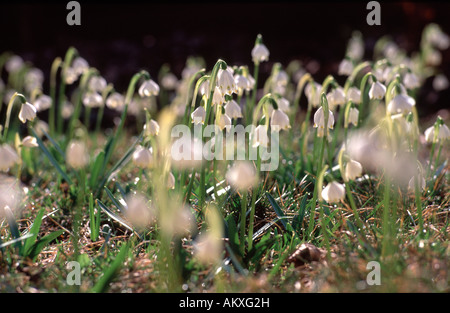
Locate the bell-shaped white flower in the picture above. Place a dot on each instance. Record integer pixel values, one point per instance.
(97, 84)
(411, 81)
(224, 122)
(336, 97)
(30, 142)
(14, 63)
(77, 155)
(187, 152)
(27, 112)
(353, 169)
(225, 82)
(8, 157)
(139, 211)
(169, 81)
(312, 92)
(80, 65)
(151, 128)
(260, 137)
(148, 88)
(233, 110)
(333, 192)
(218, 98)
(260, 53)
(34, 79)
(440, 82)
(353, 116)
(115, 101)
(170, 181)
(354, 95)
(401, 103)
(143, 157)
(42, 103)
(40, 127)
(93, 100)
(199, 115)
(242, 83)
(67, 110)
(443, 133)
(204, 88)
(242, 175)
(319, 121)
(345, 67)
(279, 120)
(377, 91)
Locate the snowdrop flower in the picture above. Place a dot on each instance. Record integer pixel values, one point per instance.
(433, 58)
(333, 192)
(224, 122)
(280, 78)
(169, 81)
(387, 74)
(411, 81)
(421, 180)
(260, 137)
(93, 100)
(143, 157)
(170, 181)
(67, 110)
(283, 104)
(204, 88)
(251, 80)
(319, 121)
(40, 127)
(345, 67)
(401, 104)
(225, 82)
(27, 112)
(199, 115)
(97, 84)
(233, 110)
(440, 82)
(77, 155)
(279, 120)
(336, 97)
(260, 53)
(34, 78)
(30, 142)
(8, 157)
(43, 103)
(377, 91)
(242, 83)
(354, 95)
(443, 134)
(115, 101)
(13, 64)
(312, 92)
(70, 75)
(217, 97)
(138, 211)
(80, 65)
(242, 175)
(208, 248)
(151, 128)
(353, 116)
(148, 88)
(353, 169)
(186, 152)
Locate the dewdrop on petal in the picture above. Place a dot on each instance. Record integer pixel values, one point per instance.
(27, 112)
(242, 175)
(148, 88)
(143, 157)
(43, 103)
(345, 67)
(77, 155)
(8, 157)
(377, 91)
(233, 110)
(30, 142)
(353, 170)
(199, 115)
(333, 192)
(279, 120)
(225, 82)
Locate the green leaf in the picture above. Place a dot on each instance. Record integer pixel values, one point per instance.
(96, 168)
(41, 243)
(34, 231)
(114, 216)
(232, 232)
(277, 209)
(103, 283)
(8, 243)
(114, 200)
(298, 218)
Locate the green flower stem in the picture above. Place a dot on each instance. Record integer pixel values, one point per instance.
(254, 91)
(242, 223)
(386, 243)
(351, 200)
(8, 113)
(70, 55)
(52, 112)
(101, 110)
(364, 97)
(436, 162)
(350, 80)
(189, 110)
(253, 204)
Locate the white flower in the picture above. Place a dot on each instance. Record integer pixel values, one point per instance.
(333, 192)
(251, 80)
(204, 88)
(170, 181)
(242, 83)
(27, 112)
(279, 120)
(233, 110)
(336, 97)
(260, 53)
(217, 97)
(97, 84)
(225, 82)
(224, 122)
(143, 157)
(14, 64)
(152, 128)
(440, 82)
(283, 104)
(377, 91)
(40, 127)
(43, 103)
(353, 116)
(77, 155)
(138, 210)
(401, 104)
(70, 75)
(411, 81)
(421, 181)
(443, 134)
(80, 65)
(353, 169)
(354, 95)
(93, 100)
(242, 175)
(30, 142)
(186, 152)
(433, 58)
(312, 92)
(319, 121)
(345, 67)
(115, 101)
(199, 115)
(67, 109)
(34, 79)
(149, 88)
(260, 137)
(169, 81)
(8, 157)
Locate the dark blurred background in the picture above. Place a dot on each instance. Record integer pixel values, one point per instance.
(120, 38)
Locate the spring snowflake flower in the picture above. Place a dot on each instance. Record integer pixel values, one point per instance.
(30, 142)
(169, 81)
(411, 81)
(80, 65)
(224, 122)
(143, 157)
(77, 155)
(242, 175)
(186, 152)
(312, 92)
(97, 84)
(233, 110)
(8, 157)
(260, 53)
(93, 100)
(401, 103)
(377, 91)
(138, 210)
(34, 79)
(354, 95)
(199, 115)
(279, 120)
(353, 116)
(225, 82)
(333, 192)
(14, 63)
(336, 97)
(115, 101)
(151, 128)
(353, 169)
(217, 97)
(319, 121)
(148, 88)
(67, 109)
(345, 67)
(42, 103)
(283, 104)
(242, 83)
(443, 134)
(440, 82)
(27, 112)
(260, 137)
